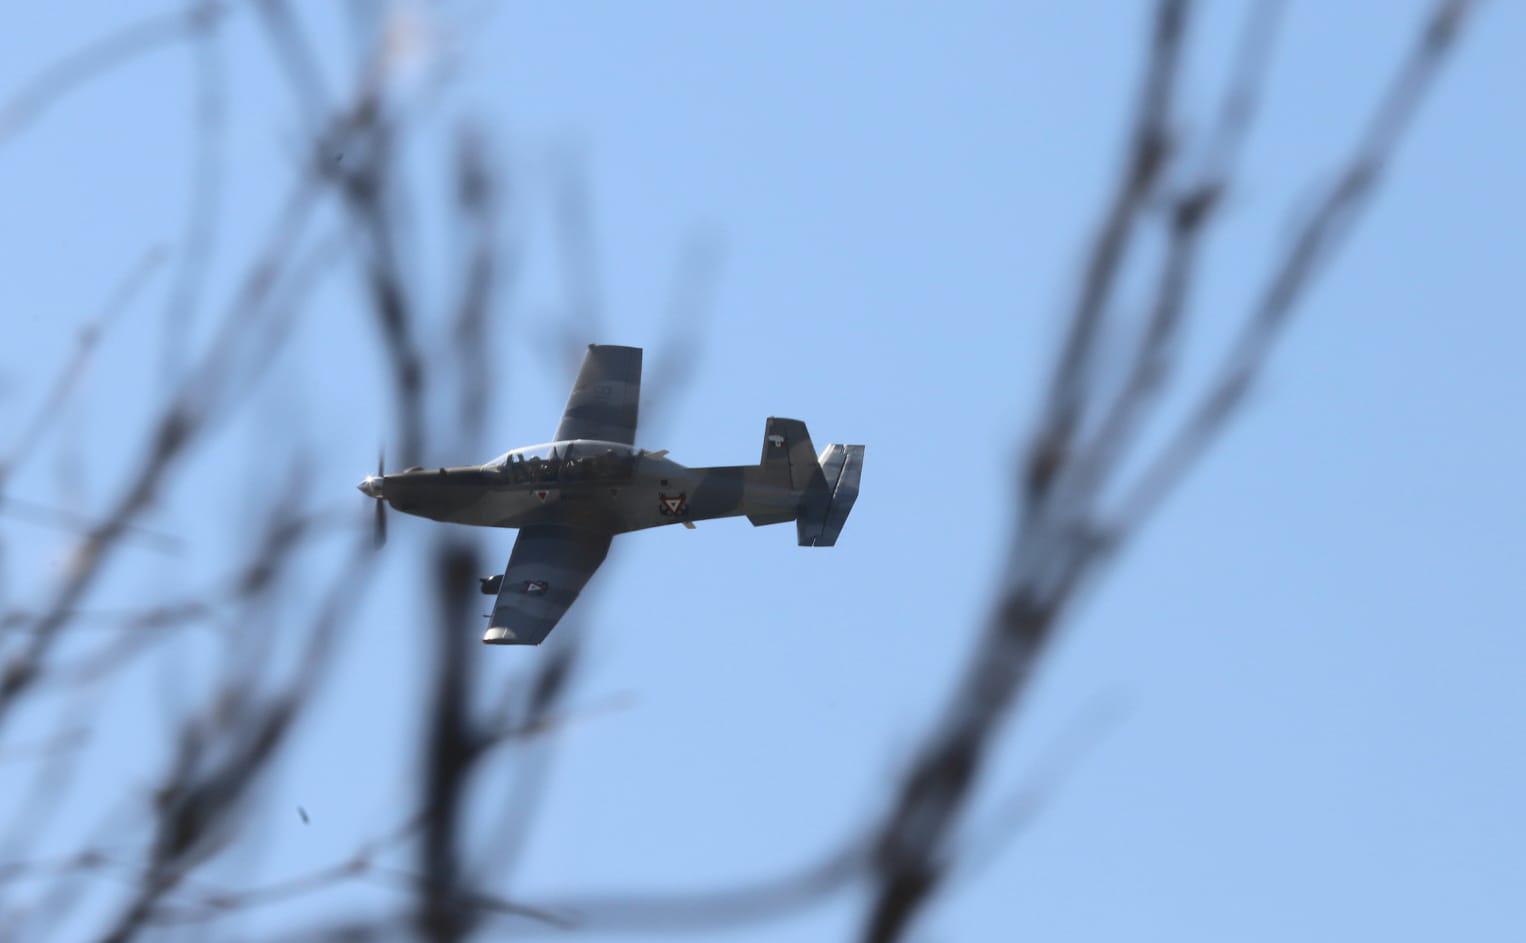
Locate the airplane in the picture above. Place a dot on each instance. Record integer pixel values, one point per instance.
(571, 496)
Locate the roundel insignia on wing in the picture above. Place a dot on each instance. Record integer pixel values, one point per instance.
(672, 504)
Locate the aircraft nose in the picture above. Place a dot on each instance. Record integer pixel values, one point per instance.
(371, 486)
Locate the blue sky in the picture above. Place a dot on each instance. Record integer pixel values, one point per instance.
(1316, 646)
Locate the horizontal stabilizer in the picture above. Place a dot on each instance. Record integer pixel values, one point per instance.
(822, 520)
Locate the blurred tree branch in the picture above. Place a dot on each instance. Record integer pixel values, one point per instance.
(1065, 537)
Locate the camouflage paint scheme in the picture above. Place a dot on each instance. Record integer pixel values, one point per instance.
(570, 497)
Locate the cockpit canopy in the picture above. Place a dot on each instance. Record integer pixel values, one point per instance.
(568, 460)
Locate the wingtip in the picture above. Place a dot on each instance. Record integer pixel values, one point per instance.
(499, 635)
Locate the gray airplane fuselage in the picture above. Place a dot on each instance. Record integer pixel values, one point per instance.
(602, 486)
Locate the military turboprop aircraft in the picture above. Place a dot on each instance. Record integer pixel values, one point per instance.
(570, 497)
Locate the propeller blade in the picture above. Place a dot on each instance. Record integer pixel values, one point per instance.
(379, 522)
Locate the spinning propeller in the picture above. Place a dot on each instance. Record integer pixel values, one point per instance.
(373, 487)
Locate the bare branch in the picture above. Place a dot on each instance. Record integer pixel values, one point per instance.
(98, 59)
(1059, 549)
(1313, 245)
(1148, 151)
(76, 367)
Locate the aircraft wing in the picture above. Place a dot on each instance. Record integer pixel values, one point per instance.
(549, 566)
(604, 398)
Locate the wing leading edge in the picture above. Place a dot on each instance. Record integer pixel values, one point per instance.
(605, 397)
(549, 566)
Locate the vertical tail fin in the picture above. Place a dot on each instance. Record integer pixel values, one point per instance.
(788, 456)
(787, 472)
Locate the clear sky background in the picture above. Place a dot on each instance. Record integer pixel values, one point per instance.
(1315, 654)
